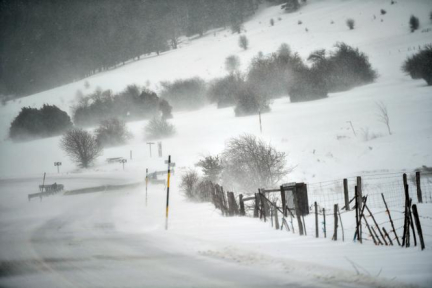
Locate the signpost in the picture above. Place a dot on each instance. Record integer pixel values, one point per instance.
(150, 143)
(58, 164)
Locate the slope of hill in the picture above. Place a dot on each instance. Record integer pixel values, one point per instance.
(317, 136)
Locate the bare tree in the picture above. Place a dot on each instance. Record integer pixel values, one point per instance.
(383, 115)
(250, 163)
(81, 146)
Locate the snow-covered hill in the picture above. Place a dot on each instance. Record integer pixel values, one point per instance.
(295, 128)
(316, 135)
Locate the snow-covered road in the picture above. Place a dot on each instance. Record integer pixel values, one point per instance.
(95, 240)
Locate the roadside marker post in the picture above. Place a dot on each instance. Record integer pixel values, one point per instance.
(168, 186)
(146, 183)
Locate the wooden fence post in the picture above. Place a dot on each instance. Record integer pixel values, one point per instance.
(346, 196)
(276, 220)
(412, 222)
(418, 225)
(297, 211)
(316, 220)
(376, 225)
(360, 202)
(284, 209)
(343, 233)
(391, 220)
(324, 222)
(388, 237)
(242, 208)
(419, 192)
(357, 213)
(335, 222)
(256, 208)
(405, 237)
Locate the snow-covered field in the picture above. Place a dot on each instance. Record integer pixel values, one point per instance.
(114, 239)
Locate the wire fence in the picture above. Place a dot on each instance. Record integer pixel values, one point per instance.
(391, 185)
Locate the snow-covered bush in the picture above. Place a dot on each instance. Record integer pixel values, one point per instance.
(189, 183)
(342, 69)
(39, 123)
(81, 147)
(185, 93)
(308, 85)
(414, 23)
(250, 102)
(250, 163)
(232, 64)
(291, 6)
(243, 42)
(350, 23)
(419, 65)
(273, 75)
(112, 132)
(211, 167)
(224, 91)
(158, 128)
(133, 103)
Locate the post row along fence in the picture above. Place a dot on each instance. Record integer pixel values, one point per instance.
(381, 209)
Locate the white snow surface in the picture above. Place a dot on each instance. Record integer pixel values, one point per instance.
(113, 239)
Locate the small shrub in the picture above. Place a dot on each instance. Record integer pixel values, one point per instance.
(232, 63)
(112, 132)
(414, 23)
(367, 135)
(39, 123)
(211, 167)
(291, 6)
(383, 12)
(299, 22)
(185, 94)
(224, 91)
(350, 23)
(243, 42)
(189, 183)
(158, 128)
(272, 22)
(419, 65)
(81, 147)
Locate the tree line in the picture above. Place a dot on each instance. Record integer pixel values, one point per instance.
(47, 43)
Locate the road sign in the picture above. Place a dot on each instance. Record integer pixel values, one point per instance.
(58, 164)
